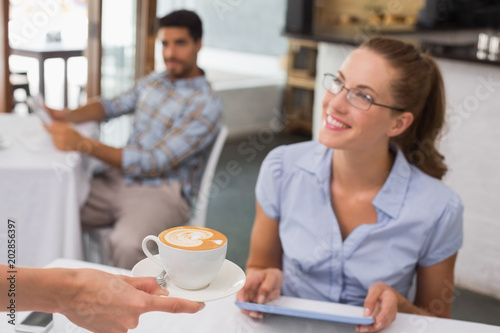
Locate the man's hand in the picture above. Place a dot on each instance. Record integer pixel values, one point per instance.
(92, 111)
(59, 115)
(66, 138)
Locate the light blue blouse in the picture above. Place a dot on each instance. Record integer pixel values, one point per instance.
(419, 223)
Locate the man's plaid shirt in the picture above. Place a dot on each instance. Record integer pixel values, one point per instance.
(175, 126)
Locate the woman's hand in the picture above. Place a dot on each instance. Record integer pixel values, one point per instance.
(264, 276)
(93, 299)
(381, 304)
(109, 303)
(262, 285)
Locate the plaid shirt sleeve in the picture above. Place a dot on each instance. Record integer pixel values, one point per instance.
(192, 130)
(124, 103)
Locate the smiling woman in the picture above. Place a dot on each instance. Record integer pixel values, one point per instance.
(421, 98)
(354, 217)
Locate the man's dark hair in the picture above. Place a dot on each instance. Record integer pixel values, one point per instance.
(183, 19)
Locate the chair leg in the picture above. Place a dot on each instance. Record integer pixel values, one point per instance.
(19, 81)
(27, 89)
(96, 247)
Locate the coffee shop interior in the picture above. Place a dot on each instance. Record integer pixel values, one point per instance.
(266, 60)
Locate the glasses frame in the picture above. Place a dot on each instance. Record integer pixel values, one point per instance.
(348, 96)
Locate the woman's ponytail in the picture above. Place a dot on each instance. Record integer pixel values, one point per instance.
(418, 89)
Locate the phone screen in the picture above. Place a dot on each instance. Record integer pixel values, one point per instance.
(41, 319)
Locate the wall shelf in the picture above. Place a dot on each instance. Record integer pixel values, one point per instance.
(300, 87)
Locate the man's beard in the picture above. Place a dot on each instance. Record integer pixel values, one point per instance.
(180, 71)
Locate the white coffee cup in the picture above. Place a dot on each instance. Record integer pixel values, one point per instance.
(191, 256)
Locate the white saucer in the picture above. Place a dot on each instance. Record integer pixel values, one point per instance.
(227, 282)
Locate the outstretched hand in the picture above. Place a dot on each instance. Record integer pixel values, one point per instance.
(110, 303)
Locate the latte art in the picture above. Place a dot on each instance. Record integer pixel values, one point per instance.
(187, 237)
(193, 238)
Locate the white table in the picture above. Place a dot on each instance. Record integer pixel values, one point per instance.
(44, 51)
(42, 190)
(224, 316)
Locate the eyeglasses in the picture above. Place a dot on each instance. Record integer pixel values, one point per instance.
(355, 97)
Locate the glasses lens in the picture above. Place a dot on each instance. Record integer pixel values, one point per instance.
(359, 99)
(332, 84)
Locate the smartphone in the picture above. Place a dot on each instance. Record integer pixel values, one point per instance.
(38, 106)
(36, 322)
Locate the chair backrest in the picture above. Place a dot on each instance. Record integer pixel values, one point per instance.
(199, 212)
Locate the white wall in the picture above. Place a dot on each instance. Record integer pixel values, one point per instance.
(250, 85)
(254, 26)
(470, 146)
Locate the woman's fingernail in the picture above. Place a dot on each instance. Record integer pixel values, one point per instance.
(378, 325)
(202, 306)
(256, 315)
(164, 290)
(366, 312)
(261, 299)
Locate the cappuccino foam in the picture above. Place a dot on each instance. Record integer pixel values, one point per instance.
(193, 238)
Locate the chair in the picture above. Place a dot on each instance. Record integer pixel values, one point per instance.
(95, 245)
(199, 211)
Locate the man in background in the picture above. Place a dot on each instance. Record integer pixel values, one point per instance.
(153, 179)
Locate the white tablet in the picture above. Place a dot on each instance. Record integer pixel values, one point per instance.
(305, 308)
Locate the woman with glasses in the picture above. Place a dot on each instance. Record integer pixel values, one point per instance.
(361, 216)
